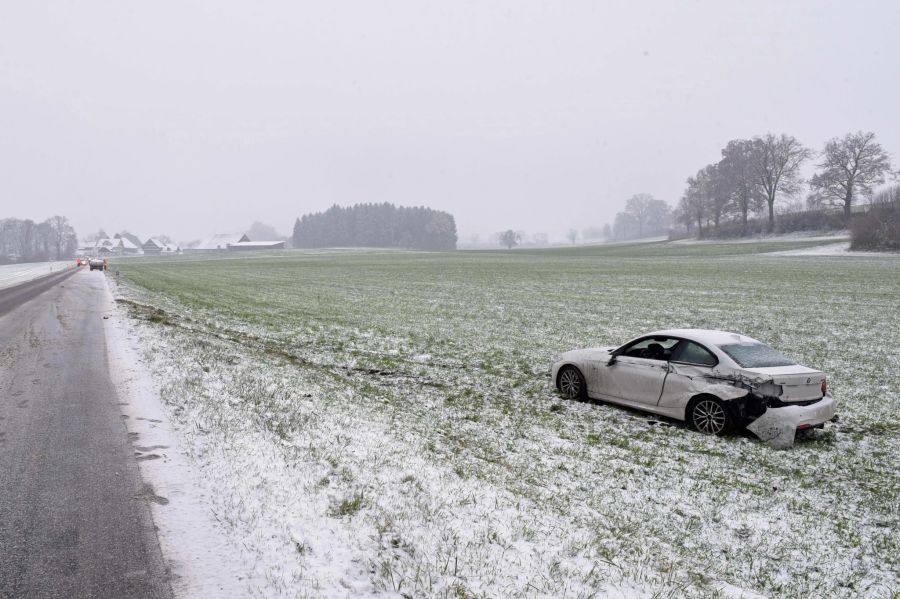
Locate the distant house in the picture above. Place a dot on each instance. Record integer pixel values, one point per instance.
(256, 245)
(106, 247)
(218, 243)
(127, 248)
(113, 247)
(153, 247)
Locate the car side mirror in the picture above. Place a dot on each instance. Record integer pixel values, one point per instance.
(612, 360)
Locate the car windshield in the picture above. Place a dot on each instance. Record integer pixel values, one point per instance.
(756, 355)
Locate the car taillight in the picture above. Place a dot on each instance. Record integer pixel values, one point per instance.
(824, 387)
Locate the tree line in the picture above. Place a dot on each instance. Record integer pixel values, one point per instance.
(754, 174)
(644, 216)
(28, 241)
(376, 225)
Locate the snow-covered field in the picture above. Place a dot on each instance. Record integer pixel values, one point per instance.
(382, 422)
(16, 274)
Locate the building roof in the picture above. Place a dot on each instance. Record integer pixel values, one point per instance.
(222, 241)
(110, 242)
(153, 242)
(257, 244)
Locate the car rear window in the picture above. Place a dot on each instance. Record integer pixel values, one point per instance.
(756, 355)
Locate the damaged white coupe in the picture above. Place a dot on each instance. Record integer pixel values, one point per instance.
(714, 380)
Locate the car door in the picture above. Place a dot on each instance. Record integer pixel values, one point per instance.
(639, 371)
(689, 361)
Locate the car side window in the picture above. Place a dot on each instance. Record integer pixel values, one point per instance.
(692, 353)
(652, 348)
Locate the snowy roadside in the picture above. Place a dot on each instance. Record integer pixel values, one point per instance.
(384, 437)
(203, 562)
(16, 274)
(349, 504)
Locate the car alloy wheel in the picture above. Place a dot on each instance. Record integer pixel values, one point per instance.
(709, 417)
(571, 383)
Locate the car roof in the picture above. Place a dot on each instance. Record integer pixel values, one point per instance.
(704, 336)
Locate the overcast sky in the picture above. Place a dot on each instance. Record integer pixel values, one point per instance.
(190, 118)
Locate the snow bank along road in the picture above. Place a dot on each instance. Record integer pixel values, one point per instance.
(74, 514)
(16, 274)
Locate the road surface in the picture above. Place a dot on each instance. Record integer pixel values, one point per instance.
(74, 514)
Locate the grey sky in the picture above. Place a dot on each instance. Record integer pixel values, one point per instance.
(195, 117)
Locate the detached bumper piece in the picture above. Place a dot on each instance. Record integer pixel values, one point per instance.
(778, 426)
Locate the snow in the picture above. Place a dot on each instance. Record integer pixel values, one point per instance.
(832, 249)
(796, 236)
(16, 274)
(364, 428)
(203, 561)
(280, 497)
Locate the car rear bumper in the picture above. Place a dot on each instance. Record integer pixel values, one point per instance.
(815, 414)
(777, 426)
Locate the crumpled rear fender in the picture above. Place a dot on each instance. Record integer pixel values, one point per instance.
(686, 382)
(723, 390)
(749, 407)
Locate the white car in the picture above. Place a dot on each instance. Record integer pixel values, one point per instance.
(714, 380)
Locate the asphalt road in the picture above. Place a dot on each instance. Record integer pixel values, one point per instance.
(74, 514)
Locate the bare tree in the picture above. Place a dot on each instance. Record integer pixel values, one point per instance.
(851, 165)
(624, 226)
(572, 236)
(716, 194)
(649, 214)
(737, 181)
(639, 207)
(680, 215)
(693, 206)
(685, 210)
(43, 245)
(61, 236)
(890, 195)
(509, 238)
(26, 234)
(776, 162)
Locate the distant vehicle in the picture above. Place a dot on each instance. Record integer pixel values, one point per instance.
(97, 264)
(714, 380)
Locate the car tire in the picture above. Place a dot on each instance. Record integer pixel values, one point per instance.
(710, 416)
(570, 383)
